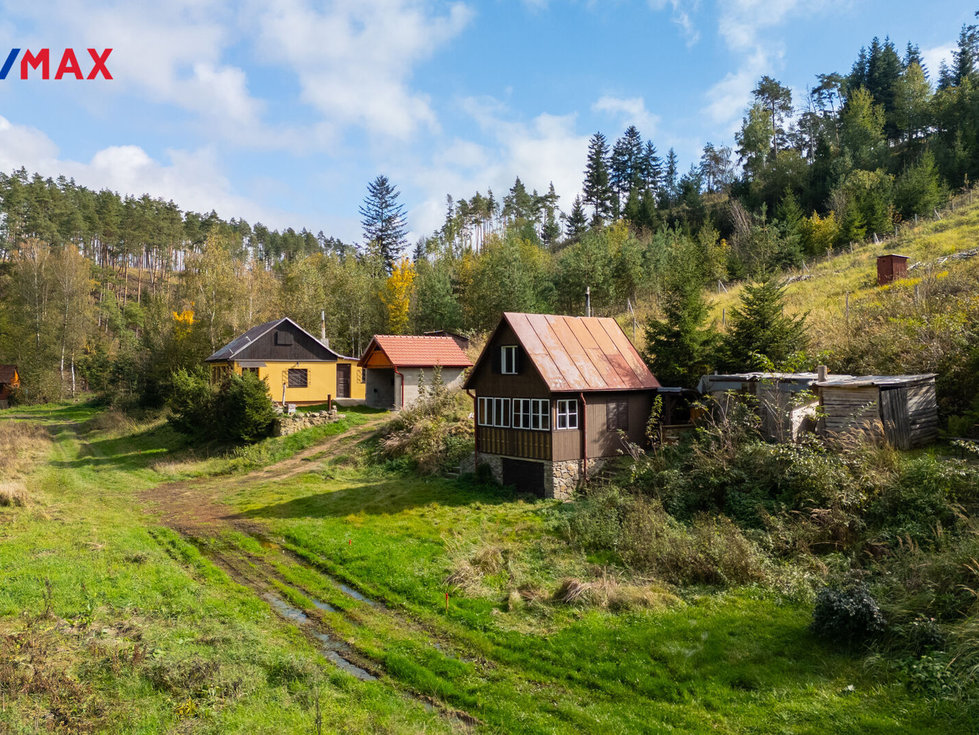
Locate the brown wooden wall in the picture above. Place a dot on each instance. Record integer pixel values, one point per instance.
(605, 443)
(303, 348)
(514, 442)
(849, 408)
(525, 384)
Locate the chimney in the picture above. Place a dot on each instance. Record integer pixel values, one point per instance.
(821, 372)
(588, 301)
(323, 338)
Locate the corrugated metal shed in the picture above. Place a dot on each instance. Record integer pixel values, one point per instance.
(575, 353)
(416, 351)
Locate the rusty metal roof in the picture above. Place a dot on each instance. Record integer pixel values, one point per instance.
(577, 353)
(416, 351)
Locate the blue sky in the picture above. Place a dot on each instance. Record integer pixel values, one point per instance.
(281, 111)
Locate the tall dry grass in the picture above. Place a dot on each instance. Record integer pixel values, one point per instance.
(21, 445)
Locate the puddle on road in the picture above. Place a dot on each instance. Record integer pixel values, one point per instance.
(320, 605)
(354, 593)
(286, 610)
(328, 645)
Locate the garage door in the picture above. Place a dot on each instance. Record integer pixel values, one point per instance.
(525, 476)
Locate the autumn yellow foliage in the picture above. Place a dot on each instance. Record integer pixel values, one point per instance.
(397, 293)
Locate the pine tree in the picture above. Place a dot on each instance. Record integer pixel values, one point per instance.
(671, 177)
(761, 329)
(385, 227)
(777, 99)
(597, 187)
(626, 166)
(651, 170)
(679, 348)
(577, 222)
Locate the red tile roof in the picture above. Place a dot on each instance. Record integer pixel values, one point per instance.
(414, 351)
(577, 353)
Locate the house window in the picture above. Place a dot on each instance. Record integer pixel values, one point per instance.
(494, 412)
(508, 359)
(617, 416)
(283, 338)
(251, 370)
(363, 375)
(298, 378)
(567, 414)
(532, 413)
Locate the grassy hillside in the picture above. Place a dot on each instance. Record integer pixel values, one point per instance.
(821, 289)
(302, 587)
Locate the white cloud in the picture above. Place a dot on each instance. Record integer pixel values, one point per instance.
(934, 56)
(682, 10)
(544, 150)
(741, 24)
(629, 111)
(354, 59)
(192, 179)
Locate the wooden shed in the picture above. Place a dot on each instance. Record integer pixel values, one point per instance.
(899, 409)
(890, 268)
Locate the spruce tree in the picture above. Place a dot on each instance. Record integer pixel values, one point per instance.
(577, 222)
(760, 329)
(679, 348)
(597, 186)
(385, 227)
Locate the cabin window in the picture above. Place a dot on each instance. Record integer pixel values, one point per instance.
(532, 413)
(283, 338)
(508, 359)
(251, 370)
(567, 414)
(298, 378)
(363, 375)
(494, 412)
(617, 415)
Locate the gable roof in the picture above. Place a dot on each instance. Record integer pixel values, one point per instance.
(8, 373)
(577, 353)
(417, 351)
(235, 346)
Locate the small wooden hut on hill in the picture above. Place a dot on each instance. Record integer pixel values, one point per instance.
(9, 382)
(901, 409)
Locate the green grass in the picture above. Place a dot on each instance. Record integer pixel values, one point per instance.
(138, 630)
(128, 628)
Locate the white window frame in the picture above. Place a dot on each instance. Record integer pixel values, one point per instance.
(508, 351)
(494, 412)
(567, 413)
(532, 413)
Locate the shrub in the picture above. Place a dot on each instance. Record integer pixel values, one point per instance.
(849, 615)
(239, 411)
(434, 434)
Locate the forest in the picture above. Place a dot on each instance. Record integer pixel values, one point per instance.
(113, 292)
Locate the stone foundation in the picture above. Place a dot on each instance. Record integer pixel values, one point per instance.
(561, 478)
(290, 424)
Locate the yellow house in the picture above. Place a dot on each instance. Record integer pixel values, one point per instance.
(297, 367)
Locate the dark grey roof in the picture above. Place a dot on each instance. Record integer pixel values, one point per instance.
(236, 345)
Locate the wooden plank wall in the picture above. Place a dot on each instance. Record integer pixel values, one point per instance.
(846, 409)
(514, 442)
(923, 414)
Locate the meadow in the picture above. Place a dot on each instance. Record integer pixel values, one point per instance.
(303, 585)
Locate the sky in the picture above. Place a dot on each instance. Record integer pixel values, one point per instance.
(282, 111)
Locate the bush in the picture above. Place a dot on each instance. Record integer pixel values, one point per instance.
(849, 615)
(434, 435)
(239, 411)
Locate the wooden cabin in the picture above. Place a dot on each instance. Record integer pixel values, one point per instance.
(9, 382)
(397, 365)
(555, 397)
(899, 409)
(299, 369)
